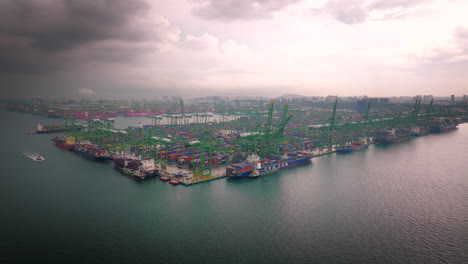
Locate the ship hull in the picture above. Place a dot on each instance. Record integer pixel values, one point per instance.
(394, 140)
(133, 177)
(52, 131)
(139, 114)
(442, 129)
(270, 168)
(67, 147)
(421, 134)
(92, 157)
(348, 150)
(93, 116)
(122, 163)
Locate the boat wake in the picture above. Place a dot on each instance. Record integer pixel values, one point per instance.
(34, 156)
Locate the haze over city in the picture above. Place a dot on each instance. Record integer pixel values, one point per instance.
(141, 49)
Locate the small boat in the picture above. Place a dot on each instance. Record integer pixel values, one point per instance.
(164, 178)
(174, 182)
(35, 156)
(39, 158)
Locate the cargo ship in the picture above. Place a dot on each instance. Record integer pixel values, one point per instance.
(67, 143)
(146, 112)
(392, 135)
(42, 129)
(92, 152)
(147, 166)
(136, 174)
(420, 131)
(443, 125)
(86, 115)
(352, 147)
(254, 166)
(53, 114)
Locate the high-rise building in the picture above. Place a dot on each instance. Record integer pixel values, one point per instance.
(361, 106)
(384, 100)
(452, 99)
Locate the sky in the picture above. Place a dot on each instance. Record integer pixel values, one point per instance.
(143, 49)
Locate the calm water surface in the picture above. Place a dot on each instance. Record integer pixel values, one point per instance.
(403, 203)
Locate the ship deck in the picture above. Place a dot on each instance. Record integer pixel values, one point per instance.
(188, 177)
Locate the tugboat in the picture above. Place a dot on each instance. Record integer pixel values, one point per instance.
(164, 178)
(174, 182)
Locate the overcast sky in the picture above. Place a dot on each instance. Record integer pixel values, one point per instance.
(148, 48)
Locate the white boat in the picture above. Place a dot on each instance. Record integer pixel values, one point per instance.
(35, 156)
(39, 158)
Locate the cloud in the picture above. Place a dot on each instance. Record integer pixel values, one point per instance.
(461, 38)
(204, 42)
(239, 9)
(347, 11)
(389, 4)
(86, 92)
(455, 51)
(358, 11)
(59, 25)
(46, 35)
(232, 49)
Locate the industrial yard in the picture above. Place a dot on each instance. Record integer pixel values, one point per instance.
(200, 142)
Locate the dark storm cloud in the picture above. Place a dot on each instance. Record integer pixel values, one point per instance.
(38, 36)
(118, 53)
(240, 9)
(59, 25)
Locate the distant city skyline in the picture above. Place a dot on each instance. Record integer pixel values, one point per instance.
(145, 48)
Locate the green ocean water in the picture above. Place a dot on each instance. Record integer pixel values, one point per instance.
(402, 203)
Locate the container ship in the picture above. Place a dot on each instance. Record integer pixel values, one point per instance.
(67, 143)
(147, 166)
(418, 131)
(146, 112)
(136, 174)
(392, 135)
(53, 114)
(92, 152)
(349, 148)
(443, 124)
(42, 129)
(86, 115)
(254, 166)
